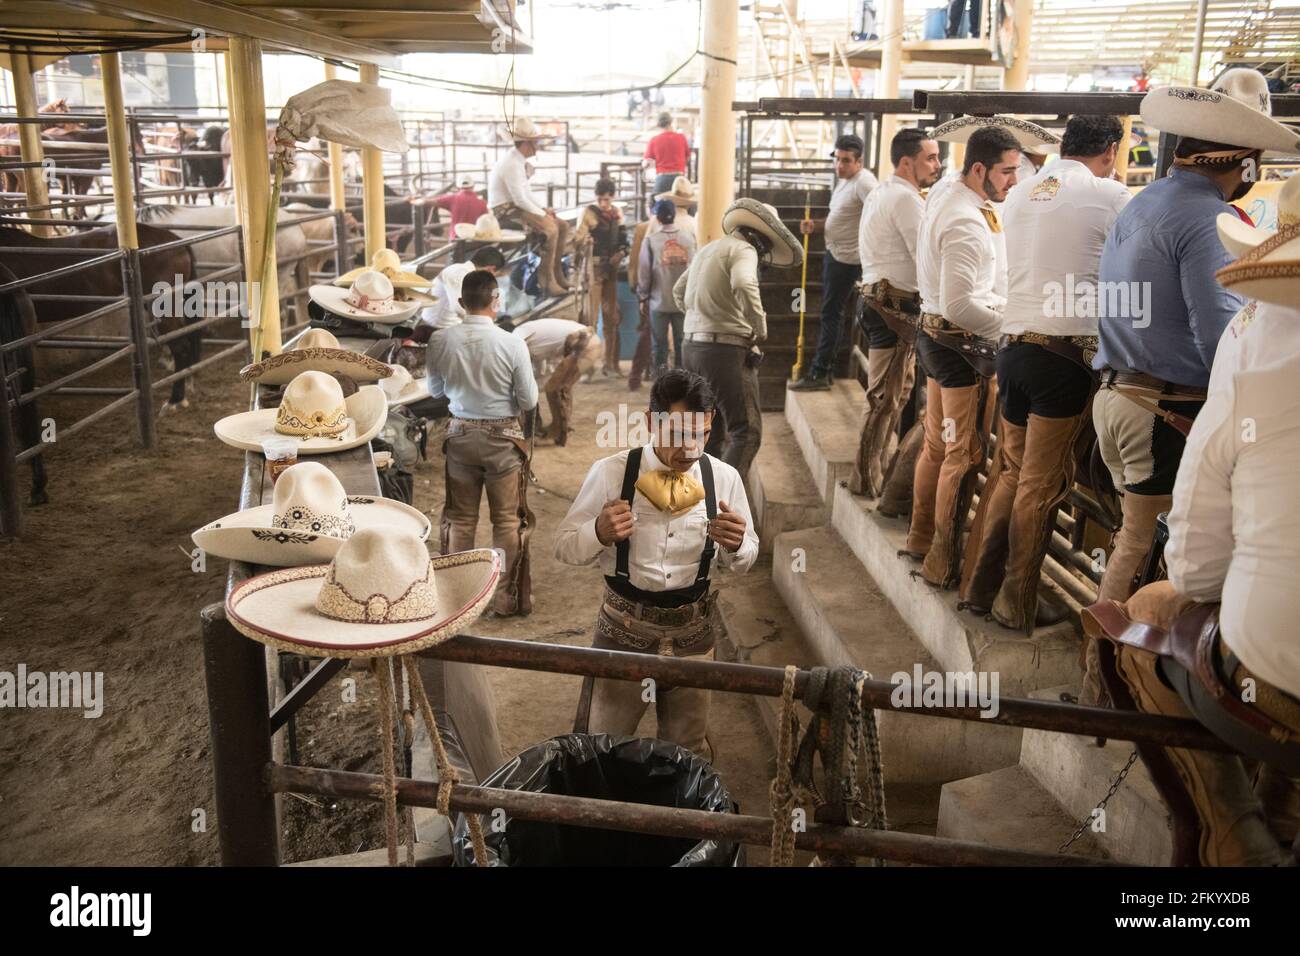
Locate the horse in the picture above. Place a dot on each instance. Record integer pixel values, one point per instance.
(318, 230)
(160, 270)
(78, 184)
(12, 181)
(18, 320)
(204, 170)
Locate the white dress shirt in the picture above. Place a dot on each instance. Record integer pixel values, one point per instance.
(891, 224)
(841, 228)
(1234, 530)
(446, 311)
(664, 552)
(946, 181)
(1056, 224)
(961, 263)
(483, 370)
(509, 183)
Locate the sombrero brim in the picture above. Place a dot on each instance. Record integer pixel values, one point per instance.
(400, 280)
(331, 298)
(1268, 269)
(1029, 136)
(416, 391)
(507, 235)
(421, 299)
(683, 200)
(279, 609)
(367, 409)
(786, 249)
(1216, 117)
(1238, 236)
(250, 536)
(283, 368)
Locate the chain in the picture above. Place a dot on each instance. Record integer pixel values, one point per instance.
(1087, 821)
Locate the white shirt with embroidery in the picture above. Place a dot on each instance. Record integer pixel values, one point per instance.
(961, 263)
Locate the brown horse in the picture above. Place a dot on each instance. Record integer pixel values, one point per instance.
(78, 184)
(161, 269)
(18, 320)
(11, 180)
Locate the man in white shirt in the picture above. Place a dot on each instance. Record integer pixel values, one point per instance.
(961, 271)
(485, 374)
(446, 310)
(841, 267)
(658, 519)
(1056, 224)
(509, 193)
(571, 350)
(891, 224)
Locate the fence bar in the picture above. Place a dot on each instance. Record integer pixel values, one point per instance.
(78, 426)
(52, 330)
(73, 376)
(141, 370)
(11, 507)
(200, 365)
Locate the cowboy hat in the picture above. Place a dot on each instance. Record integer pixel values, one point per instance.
(307, 522)
(387, 262)
(759, 216)
(524, 128)
(369, 298)
(316, 350)
(402, 388)
(382, 595)
(682, 193)
(487, 229)
(1237, 112)
(313, 409)
(1268, 263)
(1030, 136)
(465, 182)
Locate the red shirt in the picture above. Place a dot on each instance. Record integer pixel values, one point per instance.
(465, 205)
(669, 151)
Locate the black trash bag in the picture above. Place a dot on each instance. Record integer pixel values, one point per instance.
(395, 481)
(630, 769)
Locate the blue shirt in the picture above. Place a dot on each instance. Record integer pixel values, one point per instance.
(1161, 310)
(484, 371)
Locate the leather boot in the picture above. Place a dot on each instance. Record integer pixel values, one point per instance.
(925, 477)
(1132, 543)
(559, 396)
(886, 384)
(1045, 478)
(896, 498)
(962, 408)
(1280, 796)
(512, 525)
(986, 550)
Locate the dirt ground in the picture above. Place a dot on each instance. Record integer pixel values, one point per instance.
(102, 582)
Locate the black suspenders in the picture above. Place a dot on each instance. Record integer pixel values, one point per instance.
(630, 475)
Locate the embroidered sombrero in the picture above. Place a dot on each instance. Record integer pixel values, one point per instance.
(316, 350)
(307, 522)
(786, 249)
(370, 298)
(1237, 111)
(382, 595)
(314, 410)
(387, 262)
(1030, 136)
(1268, 263)
(402, 388)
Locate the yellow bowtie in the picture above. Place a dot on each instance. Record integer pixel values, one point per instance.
(670, 491)
(991, 217)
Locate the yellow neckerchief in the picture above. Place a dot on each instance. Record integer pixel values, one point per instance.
(671, 491)
(991, 217)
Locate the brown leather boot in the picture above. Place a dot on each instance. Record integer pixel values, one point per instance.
(925, 477)
(962, 408)
(985, 563)
(461, 497)
(512, 525)
(887, 380)
(1132, 543)
(896, 498)
(1045, 477)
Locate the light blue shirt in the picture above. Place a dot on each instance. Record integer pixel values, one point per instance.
(484, 371)
(1167, 311)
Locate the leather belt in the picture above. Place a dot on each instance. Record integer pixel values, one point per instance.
(1147, 391)
(981, 354)
(661, 616)
(720, 338)
(1081, 349)
(897, 308)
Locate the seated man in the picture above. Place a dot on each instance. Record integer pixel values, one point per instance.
(508, 193)
(446, 310)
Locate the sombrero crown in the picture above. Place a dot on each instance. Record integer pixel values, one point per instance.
(1237, 112)
(316, 350)
(759, 216)
(387, 262)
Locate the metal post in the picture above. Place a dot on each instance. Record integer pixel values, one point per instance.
(29, 137)
(1198, 42)
(343, 259)
(119, 149)
(142, 372)
(717, 121)
(372, 184)
(11, 508)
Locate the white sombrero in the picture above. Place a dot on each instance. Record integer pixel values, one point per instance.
(524, 129)
(314, 410)
(682, 193)
(307, 522)
(1268, 263)
(786, 249)
(382, 595)
(387, 262)
(370, 298)
(1235, 112)
(1029, 136)
(401, 388)
(487, 229)
(316, 350)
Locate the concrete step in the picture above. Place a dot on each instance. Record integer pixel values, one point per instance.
(847, 621)
(784, 497)
(1007, 808)
(827, 426)
(959, 640)
(1077, 773)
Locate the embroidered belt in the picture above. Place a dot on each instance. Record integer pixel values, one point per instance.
(980, 353)
(1077, 348)
(660, 630)
(898, 308)
(501, 427)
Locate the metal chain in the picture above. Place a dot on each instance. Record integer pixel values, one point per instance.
(1087, 821)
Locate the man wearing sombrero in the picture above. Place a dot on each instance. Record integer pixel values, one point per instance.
(1167, 313)
(1225, 652)
(508, 192)
(725, 321)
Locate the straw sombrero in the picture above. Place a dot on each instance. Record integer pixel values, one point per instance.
(314, 410)
(387, 262)
(309, 519)
(316, 350)
(1267, 267)
(382, 595)
(1237, 111)
(402, 388)
(370, 298)
(1030, 136)
(786, 249)
(524, 129)
(682, 193)
(487, 229)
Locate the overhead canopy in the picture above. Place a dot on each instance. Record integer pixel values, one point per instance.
(358, 31)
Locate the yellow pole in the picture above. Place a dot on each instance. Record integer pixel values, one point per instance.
(253, 190)
(797, 371)
(338, 198)
(1017, 78)
(119, 151)
(717, 121)
(891, 65)
(29, 141)
(372, 184)
(1121, 160)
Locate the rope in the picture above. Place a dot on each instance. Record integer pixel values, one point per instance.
(783, 797)
(380, 668)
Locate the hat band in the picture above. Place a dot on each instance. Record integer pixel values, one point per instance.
(1214, 158)
(419, 602)
(314, 424)
(1287, 231)
(302, 518)
(371, 304)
